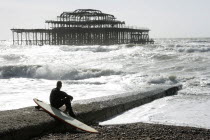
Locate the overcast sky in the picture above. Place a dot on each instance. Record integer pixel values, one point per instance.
(165, 18)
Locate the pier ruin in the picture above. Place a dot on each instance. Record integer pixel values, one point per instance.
(82, 27)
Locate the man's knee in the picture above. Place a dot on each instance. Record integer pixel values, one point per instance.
(66, 100)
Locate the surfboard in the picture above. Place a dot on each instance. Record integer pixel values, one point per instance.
(64, 117)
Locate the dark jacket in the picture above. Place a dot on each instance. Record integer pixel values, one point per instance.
(57, 96)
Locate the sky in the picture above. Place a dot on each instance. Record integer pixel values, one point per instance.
(165, 18)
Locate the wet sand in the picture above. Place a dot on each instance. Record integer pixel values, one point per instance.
(134, 131)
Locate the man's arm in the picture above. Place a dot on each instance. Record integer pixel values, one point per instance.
(66, 95)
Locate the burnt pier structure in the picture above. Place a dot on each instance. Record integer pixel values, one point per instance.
(82, 27)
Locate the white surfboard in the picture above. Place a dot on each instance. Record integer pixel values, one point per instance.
(64, 117)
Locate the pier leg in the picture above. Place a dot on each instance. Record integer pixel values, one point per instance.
(13, 38)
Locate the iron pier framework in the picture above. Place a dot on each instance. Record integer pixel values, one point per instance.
(82, 27)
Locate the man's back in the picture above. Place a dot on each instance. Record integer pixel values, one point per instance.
(56, 96)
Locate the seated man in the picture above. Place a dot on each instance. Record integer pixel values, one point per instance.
(59, 98)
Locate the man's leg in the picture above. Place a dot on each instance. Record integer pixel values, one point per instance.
(67, 102)
(58, 104)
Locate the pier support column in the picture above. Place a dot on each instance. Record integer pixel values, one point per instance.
(13, 38)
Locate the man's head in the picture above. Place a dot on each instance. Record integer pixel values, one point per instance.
(59, 84)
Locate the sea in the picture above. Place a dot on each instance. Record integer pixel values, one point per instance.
(87, 72)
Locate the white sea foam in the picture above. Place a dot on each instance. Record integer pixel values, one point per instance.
(178, 110)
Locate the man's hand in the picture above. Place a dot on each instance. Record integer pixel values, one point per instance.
(71, 98)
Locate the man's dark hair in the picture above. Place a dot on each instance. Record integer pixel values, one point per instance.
(59, 83)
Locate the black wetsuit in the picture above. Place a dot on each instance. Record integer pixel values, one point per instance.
(59, 98)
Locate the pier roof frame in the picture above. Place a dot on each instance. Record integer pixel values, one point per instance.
(86, 13)
(89, 22)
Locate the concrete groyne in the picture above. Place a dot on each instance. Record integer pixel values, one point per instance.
(28, 122)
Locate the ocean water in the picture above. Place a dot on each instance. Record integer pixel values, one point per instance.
(28, 72)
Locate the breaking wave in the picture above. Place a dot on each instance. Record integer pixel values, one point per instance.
(12, 57)
(90, 48)
(163, 57)
(172, 79)
(18, 71)
(192, 50)
(200, 41)
(52, 72)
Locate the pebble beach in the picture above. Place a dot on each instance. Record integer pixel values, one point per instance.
(141, 131)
